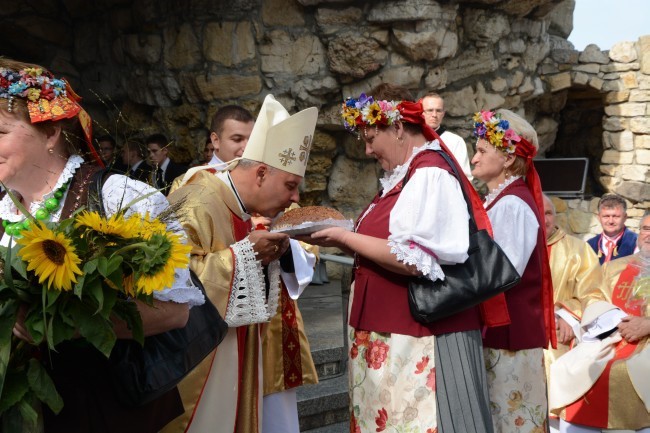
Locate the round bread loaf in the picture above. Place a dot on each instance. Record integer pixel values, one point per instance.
(306, 214)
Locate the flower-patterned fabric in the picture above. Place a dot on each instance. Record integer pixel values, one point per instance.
(517, 389)
(392, 383)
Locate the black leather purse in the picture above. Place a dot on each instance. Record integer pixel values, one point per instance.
(486, 273)
(140, 374)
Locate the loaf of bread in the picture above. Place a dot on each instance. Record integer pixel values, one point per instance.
(308, 214)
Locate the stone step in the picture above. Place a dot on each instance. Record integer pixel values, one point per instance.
(323, 404)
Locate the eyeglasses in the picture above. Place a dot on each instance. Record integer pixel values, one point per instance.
(434, 110)
(645, 229)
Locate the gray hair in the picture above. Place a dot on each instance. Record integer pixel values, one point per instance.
(551, 202)
(612, 200)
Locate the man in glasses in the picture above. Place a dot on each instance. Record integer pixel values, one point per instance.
(434, 111)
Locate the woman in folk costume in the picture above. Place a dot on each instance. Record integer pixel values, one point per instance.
(405, 375)
(224, 393)
(514, 354)
(43, 132)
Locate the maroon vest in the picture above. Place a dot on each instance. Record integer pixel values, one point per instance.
(526, 329)
(380, 301)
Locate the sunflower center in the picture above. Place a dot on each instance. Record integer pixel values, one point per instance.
(54, 251)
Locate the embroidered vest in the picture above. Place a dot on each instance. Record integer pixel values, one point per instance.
(380, 301)
(526, 330)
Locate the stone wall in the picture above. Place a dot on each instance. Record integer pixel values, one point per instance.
(148, 66)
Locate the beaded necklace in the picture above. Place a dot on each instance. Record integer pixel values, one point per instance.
(50, 206)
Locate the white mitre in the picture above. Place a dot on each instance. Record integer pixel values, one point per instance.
(280, 140)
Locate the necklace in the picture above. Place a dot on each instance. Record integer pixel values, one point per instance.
(50, 206)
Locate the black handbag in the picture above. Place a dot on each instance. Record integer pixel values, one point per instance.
(140, 374)
(486, 273)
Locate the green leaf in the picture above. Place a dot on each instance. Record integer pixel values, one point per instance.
(102, 266)
(8, 313)
(43, 386)
(35, 324)
(15, 388)
(98, 332)
(88, 277)
(27, 408)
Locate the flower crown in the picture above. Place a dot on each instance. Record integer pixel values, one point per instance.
(366, 111)
(496, 131)
(48, 98)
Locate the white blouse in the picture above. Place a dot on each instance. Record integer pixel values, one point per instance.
(514, 225)
(429, 222)
(117, 192)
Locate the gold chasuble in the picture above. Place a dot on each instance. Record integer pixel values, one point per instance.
(576, 276)
(619, 397)
(223, 394)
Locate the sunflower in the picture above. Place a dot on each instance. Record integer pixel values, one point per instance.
(174, 255)
(50, 255)
(149, 227)
(116, 225)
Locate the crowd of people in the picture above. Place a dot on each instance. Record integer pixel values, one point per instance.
(565, 349)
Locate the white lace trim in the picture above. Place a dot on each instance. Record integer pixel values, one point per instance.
(498, 190)
(393, 177)
(8, 210)
(183, 291)
(422, 260)
(247, 303)
(274, 287)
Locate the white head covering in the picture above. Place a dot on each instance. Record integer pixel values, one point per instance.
(280, 140)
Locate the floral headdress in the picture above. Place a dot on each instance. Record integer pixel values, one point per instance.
(496, 131)
(47, 98)
(366, 111)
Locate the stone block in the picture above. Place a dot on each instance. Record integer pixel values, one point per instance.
(461, 102)
(560, 204)
(589, 68)
(352, 181)
(292, 53)
(639, 95)
(354, 55)
(214, 87)
(469, 63)
(626, 109)
(565, 56)
(310, 91)
(436, 78)
(643, 48)
(181, 47)
(640, 125)
(142, 48)
(314, 182)
(320, 164)
(623, 52)
(408, 10)
(642, 141)
(593, 54)
(427, 45)
(642, 156)
(323, 142)
(580, 221)
(611, 76)
(292, 13)
(628, 79)
(615, 123)
(484, 25)
(644, 82)
(498, 84)
(331, 20)
(355, 148)
(228, 43)
(616, 97)
(488, 101)
(596, 83)
(609, 183)
(610, 170)
(616, 157)
(633, 190)
(561, 18)
(559, 81)
(579, 78)
(637, 172)
(621, 141)
(620, 67)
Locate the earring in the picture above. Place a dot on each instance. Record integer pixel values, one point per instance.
(50, 151)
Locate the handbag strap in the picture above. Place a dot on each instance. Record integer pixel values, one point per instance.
(472, 222)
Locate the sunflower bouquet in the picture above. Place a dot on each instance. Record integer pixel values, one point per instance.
(68, 281)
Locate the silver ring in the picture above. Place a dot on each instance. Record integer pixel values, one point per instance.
(277, 248)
